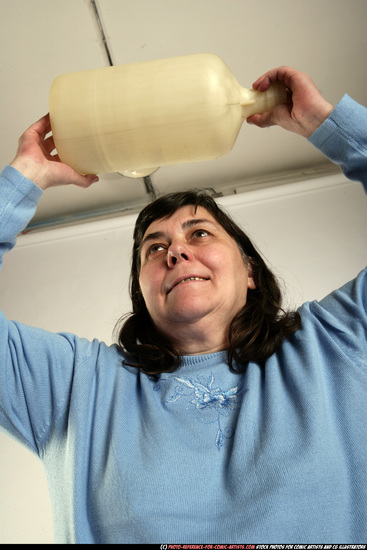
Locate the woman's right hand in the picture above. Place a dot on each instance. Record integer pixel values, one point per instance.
(35, 161)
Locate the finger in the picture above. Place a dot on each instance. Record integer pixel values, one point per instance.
(261, 120)
(279, 116)
(283, 73)
(86, 181)
(42, 126)
(62, 174)
(264, 81)
(55, 156)
(39, 128)
(48, 145)
(73, 177)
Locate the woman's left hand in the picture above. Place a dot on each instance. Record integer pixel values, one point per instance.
(306, 109)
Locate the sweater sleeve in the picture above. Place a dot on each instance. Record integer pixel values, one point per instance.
(339, 321)
(343, 139)
(36, 366)
(18, 201)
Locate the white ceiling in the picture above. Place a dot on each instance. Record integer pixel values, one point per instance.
(41, 39)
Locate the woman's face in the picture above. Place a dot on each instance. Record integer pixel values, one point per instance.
(192, 270)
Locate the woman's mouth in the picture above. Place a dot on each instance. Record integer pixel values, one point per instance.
(185, 280)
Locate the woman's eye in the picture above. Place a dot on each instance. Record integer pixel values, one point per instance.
(155, 248)
(200, 233)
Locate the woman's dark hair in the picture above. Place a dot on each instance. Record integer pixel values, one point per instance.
(256, 331)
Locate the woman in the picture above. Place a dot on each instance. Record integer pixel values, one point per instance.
(201, 290)
(217, 417)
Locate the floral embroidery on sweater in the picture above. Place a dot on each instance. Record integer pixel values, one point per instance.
(212, 402)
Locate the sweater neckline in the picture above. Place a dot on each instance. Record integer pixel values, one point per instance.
(210, 358)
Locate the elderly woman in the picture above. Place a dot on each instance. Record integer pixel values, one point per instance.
(217, 416)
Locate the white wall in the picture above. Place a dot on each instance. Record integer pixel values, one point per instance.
(313, 233)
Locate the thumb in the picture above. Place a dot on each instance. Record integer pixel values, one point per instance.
(279, 116)
(261, 120)
(62, 174)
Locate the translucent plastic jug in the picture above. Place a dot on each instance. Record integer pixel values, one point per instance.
(137, 117)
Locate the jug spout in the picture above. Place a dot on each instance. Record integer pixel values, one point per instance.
(255, 102)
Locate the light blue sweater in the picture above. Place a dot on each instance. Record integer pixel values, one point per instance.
(277, 455)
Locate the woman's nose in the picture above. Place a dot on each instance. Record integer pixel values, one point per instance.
(178, 253)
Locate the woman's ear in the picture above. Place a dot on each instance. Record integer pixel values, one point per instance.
(250, 277)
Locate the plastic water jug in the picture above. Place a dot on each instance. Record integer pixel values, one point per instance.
(137, 117)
